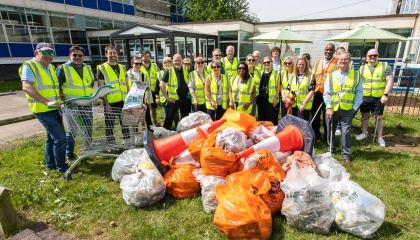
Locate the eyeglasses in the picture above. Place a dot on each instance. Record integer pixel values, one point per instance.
(137, 64)
(218, 55)
(77, 55)
(373, 55)
(251, 60)
(199, 62)
(287, 63)
(215, 67)
(267, 62)
(46, 53)
(241, 68)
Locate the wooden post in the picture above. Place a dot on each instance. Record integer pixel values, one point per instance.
(8, 220)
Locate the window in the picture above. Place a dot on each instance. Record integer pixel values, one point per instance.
(92, 22)
(12, 15)
(40, 34)
(37, 17)
(104, 40)
(106, 24)
(355, 49)
(389, 50)
(119, 24)
(61, 35)
(93, 40)
(77, 22)
(95, 50)
(78, 37)
(58, 20)
(245, 36)
(2, 36)
(17, 33)
(228, 36)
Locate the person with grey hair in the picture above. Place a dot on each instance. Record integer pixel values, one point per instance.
(230, 62)
(217, 55)
(196, 82)
(217, 91)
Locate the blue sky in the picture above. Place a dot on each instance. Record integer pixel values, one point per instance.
(280, 10)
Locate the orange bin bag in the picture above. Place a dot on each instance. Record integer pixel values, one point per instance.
(239, 120)
(215, 161)
(255, 181)
(180, 182)
(241, 214)
(196, 145)
(266, 124)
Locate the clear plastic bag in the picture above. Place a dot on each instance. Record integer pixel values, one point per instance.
(192, 121)
(143, 188)
(128, 162)
(231, 140)
(282, 156)
(357, 211)
(260, 133)
(186, 158)
(161, 132)
(330, 168)
(208, 193)
(307, 205)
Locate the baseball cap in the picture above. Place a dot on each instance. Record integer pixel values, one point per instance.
(44, 46)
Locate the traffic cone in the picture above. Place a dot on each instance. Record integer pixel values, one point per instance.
(160, 151)
(293, 134)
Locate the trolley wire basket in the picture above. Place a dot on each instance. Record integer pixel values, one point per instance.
(103, 131)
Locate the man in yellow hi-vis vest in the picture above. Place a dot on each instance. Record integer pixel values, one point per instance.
(113, 73)
(40, 84)
(377, 82)
(342, 96)
(230, 62)
(76, 79)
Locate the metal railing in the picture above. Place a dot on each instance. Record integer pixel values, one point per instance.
(405, 97)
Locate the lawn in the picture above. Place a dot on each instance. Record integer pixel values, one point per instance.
(10, 85)
(84, 207)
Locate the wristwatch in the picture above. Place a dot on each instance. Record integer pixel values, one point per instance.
(386, 94)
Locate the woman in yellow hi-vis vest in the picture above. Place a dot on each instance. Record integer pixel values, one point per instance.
(196, 81)
(285, 75)
(242, 90)
(216, 90)
(302, 86)
(255, 74)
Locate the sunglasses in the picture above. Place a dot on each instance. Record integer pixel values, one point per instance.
(373, 55)
(199, 62)
(287, 63)
(251, 60)
(241, 68)
(218, 55)
(215, 67)
(77, 55)
(137, 64)
(186, 63)
(46, 53)
(267, 62)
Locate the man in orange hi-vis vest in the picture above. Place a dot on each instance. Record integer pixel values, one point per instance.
(322, 67)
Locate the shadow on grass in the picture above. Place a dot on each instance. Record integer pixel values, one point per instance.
(22, 224)
(388, 231)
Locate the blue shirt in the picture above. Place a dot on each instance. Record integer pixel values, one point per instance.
(342, 76)
(28, 74)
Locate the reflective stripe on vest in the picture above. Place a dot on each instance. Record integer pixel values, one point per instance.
(230, 68)
(257, 81)
(374, 84)
(244, 91)
(75, 86)
(301, 91)
(45, 85)
(348, 90)
(285, 81)
(161, 97)
(213, 91)
(272, 85)
(321, 73)
(259, 67)
(152, 73)
(172, 84)
(120, 91)
(199, 87)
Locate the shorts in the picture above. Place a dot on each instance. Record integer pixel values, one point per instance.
(373, 105)
(153, 104)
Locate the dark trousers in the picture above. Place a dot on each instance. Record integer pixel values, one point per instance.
(201, 108)
(306, 115)
(184, 106)
(216, 114)
(110, 118)
(267, 112)
(316, 119)
(283, 109)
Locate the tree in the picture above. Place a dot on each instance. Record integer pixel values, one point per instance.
(205, 10)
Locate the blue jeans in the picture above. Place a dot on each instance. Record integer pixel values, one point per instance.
(78, 117)
(55, 144)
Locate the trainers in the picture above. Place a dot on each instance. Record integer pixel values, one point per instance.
(381, 142)
(337, 132)
(362, 136)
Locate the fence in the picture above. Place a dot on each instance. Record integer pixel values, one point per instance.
(405, 97)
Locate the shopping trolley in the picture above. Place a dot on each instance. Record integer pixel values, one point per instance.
(102, 131)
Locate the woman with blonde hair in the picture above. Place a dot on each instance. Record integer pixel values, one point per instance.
(217, 91)
(286, 73)
(256, 76)
(196, 82)
(302, 86)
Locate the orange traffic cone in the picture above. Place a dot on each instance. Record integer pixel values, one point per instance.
(296, 134)
(160, 151)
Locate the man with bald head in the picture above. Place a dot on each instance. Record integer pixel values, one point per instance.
(322, 67)
(257, 56)
(377, 83)
(174, 87)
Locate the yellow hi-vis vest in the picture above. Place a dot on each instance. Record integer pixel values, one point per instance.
(257, 80)
(244, 92)
(230, 68)
(162, 98)
(119, 93)
(374, 84)
(302, 90)
(285, 81)
(259, 67)
(213, 91)
(172, 84)
(199, 86)
(45, 85)
(347, 92)
(153, 75)
(273, 82)
(74, 85)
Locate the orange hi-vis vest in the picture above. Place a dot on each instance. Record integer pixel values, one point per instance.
(321, 73)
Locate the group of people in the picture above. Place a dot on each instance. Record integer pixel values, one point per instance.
(272, 87)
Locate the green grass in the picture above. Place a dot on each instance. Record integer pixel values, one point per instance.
(84, 207)
(10, 85)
